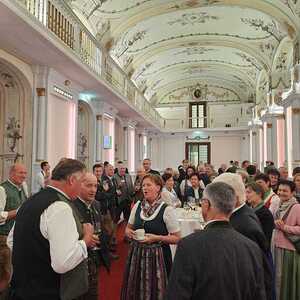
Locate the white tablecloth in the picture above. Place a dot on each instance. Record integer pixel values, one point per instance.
(189, 222)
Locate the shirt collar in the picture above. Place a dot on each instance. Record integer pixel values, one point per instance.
(239, 207)
(19, 187)
(86, 204)
(213, 221)
(268, 193)
(60, 191)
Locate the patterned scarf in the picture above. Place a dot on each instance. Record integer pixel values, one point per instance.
(149, 209)
(284, 208)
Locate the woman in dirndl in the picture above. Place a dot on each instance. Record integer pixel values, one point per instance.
(149, 259)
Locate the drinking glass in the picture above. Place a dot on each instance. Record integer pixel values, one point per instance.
(97, 232)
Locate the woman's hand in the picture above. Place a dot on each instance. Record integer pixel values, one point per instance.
(150, 238)
(129, 232)
(279, 224)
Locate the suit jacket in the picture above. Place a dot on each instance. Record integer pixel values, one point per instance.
(127, 189)
(107, 199)
(216, 263)
(245, 221)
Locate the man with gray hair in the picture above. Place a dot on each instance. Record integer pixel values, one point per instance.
(244, 220)
(217, 262)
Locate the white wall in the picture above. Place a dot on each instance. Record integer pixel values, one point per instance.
(234, 114)
(225, 148)
(169, 150)
(61, 129)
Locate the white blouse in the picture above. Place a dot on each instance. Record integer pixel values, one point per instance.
(169, 197)
(169, 217)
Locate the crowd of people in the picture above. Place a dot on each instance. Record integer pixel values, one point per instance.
(53, 242)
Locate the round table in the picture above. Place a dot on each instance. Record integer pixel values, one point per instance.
(189, 222)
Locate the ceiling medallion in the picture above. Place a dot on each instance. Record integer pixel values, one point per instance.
(197, 93)
(200, 92)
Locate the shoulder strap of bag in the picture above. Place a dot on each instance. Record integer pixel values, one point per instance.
(288, 211)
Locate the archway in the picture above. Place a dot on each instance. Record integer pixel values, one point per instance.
(15, 119)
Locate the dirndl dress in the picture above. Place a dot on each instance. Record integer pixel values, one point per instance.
(148, 266)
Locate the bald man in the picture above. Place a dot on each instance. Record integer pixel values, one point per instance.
(89, 211)
(13, 192)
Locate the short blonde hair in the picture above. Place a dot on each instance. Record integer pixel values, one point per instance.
(236, 182)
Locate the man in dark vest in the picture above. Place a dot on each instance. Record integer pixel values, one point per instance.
(89, 211)
(13, 192)
(48, 241)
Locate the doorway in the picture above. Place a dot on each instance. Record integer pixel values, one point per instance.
(197, 153)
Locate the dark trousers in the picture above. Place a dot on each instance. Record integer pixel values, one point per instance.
(92, 293)
(123, 207)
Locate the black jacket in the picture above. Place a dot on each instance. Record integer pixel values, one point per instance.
(107, 199)
(92, 215)
(245, 221)
(267, 222)
(216, 263)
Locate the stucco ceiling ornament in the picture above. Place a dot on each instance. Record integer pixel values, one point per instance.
(7, 80)
(193, 19)
(260, 24)
(249, 59)
(127, 43)
(190, 51)
(102, 27)
(268, 48)
(281, 63)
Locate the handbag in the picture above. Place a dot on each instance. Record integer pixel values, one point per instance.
(293, 238)
(74, 283)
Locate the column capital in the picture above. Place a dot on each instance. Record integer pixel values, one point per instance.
(41, 92)
(98, 117)
(255, 123)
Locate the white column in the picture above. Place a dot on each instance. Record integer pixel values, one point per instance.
(251, 145)
(260, 149)
(131, 148)
(99, 138)
(256, 141)
(125, 134)
(41, 124)
(292, 128)
(280, 141)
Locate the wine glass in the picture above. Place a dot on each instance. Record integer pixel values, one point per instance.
(97, 233)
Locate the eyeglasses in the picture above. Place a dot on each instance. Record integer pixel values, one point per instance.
(205, 199)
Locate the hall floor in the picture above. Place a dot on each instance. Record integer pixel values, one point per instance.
(111, 283)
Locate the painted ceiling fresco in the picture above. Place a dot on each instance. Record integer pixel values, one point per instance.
(169, 47)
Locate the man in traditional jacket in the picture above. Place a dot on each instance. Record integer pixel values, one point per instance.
(217, 262)
(48, 242)
(13, 192)
(89, 211)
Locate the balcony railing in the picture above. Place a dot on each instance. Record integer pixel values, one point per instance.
(60, 19)
(203, 122)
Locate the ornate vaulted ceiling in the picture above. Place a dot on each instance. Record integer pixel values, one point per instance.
(229, 49)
